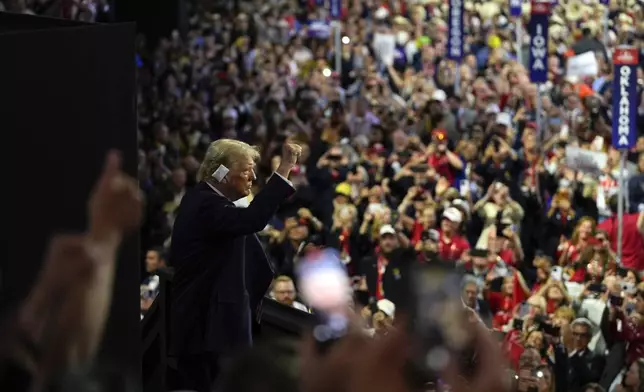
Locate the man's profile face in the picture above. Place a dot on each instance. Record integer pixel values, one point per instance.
(240, 180)
(284, 293)
(470, 292)
(152, 261)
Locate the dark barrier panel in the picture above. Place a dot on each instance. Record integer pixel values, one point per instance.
(281, 321)
(67, 95)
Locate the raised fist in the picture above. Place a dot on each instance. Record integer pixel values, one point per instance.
(290, 153)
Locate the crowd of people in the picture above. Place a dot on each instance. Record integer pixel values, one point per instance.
(401, 166)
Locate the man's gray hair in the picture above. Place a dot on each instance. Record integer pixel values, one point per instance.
(585, 322)
(469, 279)
(228, 152)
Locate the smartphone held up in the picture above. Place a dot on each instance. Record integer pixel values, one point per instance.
(438, 320)
(327, 289)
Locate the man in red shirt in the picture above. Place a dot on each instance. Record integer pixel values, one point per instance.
(451, 245)
(632, 236)
(446, 163)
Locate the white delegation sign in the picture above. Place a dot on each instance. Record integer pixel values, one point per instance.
(581, 65)
(585, 160)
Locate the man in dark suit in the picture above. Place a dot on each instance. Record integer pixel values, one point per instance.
(221, 271)
(584, 366)
(470, 295)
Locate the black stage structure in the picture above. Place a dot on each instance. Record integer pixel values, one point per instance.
(67, 96)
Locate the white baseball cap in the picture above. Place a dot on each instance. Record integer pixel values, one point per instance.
(453, 214)
(492, 109)
(381, 13)
(439, 95)
(463, 204)
(387, 307)
(387, 229)
(503, 118)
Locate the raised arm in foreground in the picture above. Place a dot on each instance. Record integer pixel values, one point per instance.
(60, 324)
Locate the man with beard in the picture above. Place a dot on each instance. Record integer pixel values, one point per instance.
(387, 271)
(427, 248)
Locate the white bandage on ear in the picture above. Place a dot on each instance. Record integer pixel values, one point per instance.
(253, 174)
(220, 173)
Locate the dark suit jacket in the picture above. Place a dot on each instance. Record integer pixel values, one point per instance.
(484, 312)
(221, 270)
(584, 369)
(395, 280)
(614, 364)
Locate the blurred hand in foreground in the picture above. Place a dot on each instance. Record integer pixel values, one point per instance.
(64, 315)
(115, 206)
(359, 364)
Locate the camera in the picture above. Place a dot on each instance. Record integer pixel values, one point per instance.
(517, 324)
(596, 288)
(546, 327)
(420, 168)
(616, 300)
(629, 288)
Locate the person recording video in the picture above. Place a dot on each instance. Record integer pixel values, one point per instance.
(217, 289)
